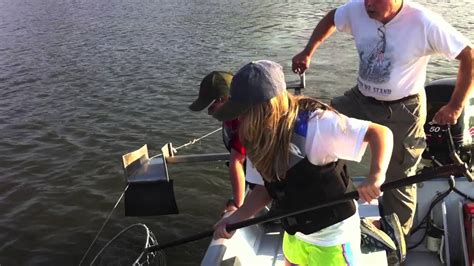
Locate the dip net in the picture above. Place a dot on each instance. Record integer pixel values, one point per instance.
(128, 246)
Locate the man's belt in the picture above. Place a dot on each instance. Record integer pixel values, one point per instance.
(373, 100)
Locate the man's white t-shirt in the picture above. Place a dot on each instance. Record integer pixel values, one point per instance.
(330, 136)
(393, 57)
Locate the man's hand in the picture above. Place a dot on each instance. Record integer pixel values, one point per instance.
(450, 113)
(301, 62)
(447, 115)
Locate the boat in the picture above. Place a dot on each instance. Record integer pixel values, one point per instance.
(261, 244)
(445, 199)
(450, 239)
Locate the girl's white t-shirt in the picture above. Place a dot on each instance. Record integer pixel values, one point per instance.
(393, 57)
(330, 136)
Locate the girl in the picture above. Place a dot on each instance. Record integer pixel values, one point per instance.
(296, 144)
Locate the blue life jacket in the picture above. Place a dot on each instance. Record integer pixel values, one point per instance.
(307, 185)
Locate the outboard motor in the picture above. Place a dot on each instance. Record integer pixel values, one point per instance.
(438, 93)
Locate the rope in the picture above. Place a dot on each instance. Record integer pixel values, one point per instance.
(103, 225)
(123, 193)
(198, 139)
(190, 142)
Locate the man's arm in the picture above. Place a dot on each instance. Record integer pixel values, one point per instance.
(237, 176)
(450, 113)
(323, 30)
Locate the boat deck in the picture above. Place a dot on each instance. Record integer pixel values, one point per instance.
(266, 250)
(261, 244)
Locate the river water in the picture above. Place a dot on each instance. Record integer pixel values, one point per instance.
(83, 82)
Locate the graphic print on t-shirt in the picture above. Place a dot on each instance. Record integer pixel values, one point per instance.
(375, 63)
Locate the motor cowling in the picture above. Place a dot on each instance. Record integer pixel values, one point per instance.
(438, 94)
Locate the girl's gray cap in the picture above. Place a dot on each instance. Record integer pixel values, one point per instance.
(254, 83)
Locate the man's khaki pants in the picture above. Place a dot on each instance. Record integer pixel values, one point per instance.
(406, 120)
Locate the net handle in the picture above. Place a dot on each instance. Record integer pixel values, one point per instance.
(442, 171)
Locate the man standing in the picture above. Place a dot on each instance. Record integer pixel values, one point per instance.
(394, 40)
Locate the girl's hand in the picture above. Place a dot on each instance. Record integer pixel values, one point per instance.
(219, 228)
(369, 189)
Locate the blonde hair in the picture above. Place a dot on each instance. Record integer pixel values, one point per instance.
(266, 131)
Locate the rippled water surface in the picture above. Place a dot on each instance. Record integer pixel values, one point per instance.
(83, 82)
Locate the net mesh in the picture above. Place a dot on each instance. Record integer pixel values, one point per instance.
(126, 248)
